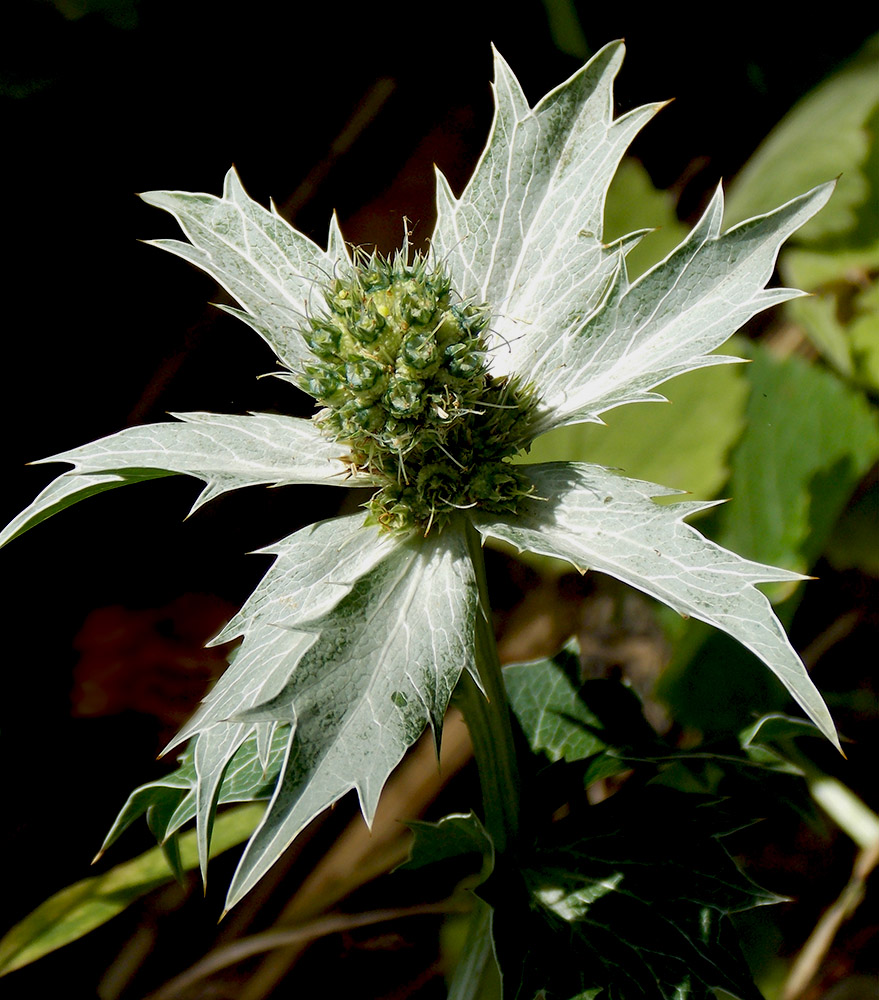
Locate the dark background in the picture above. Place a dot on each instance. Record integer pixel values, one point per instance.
(323, 107)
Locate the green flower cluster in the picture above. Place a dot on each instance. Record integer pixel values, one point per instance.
(403, 377)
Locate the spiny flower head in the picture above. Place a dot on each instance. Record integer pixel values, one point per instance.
(402, 373)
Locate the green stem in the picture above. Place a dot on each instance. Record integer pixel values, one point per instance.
(488, 719)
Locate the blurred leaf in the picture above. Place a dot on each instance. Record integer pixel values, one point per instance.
(683, 445)
(823, 136)
(759, 740)
(770, 742)
(564, 26)
(633, 203)
(120, 13)
(818, 316)
(809, 441)
(842, 318)
(715, 685)
(810, 269)
(844, 327)
(85, 905)
(774, 727)
(864, 338)
(463, 838)
(854, 543)
(476, 975)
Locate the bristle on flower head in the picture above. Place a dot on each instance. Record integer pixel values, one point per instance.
(402, 373)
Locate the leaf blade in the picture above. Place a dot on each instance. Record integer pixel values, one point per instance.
(525, 235)
(225, 451)
(387, 659)
(670, 320)
(62, 493)
(632, 915)
(602, 521)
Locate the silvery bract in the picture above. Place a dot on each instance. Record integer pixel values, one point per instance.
(359, 632)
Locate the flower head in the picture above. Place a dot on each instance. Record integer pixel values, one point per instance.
(431, 373)
(402, 371)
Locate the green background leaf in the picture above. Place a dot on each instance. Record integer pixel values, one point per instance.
(809, 442)
(85, 905)
(683, 443)
(633, 203)
(638, 915)
(822, 137)
(544, 696)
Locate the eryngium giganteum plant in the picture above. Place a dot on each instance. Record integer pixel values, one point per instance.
(430, 372)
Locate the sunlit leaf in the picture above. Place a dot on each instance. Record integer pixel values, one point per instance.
(601, 521)
(685, 444)
(226, 452)
(381, 667)
(544, 696)
(258, 257)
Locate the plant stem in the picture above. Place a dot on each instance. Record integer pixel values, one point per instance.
(488, 719)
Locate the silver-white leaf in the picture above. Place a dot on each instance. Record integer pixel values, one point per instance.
(268, 266)
(598, 520)
(383, 666)
(226, 451)
(668, 321)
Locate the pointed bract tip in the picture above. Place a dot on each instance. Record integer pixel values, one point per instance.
(100, 853)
